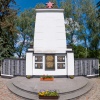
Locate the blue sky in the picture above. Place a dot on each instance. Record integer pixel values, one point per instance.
(25, 4)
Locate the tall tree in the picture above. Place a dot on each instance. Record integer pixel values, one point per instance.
(71, 13)
(91, 24)
(98, 11)
(7, 28)
(25, 24)
(82, 12)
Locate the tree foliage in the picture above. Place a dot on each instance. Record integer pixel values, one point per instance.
(71, 13)
(25, 25)
(91, 26)
(88, 33)
(98, 10)
(40, 5)
(7, 28)
(80, 51)
(82, 27)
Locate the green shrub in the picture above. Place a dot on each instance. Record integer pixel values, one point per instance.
(71, 76)
(28, 76)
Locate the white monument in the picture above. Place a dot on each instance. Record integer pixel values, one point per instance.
(50, 55)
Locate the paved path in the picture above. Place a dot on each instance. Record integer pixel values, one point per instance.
(94, 94)
(5, 94)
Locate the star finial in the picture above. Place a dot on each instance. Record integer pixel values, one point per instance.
(49, 4)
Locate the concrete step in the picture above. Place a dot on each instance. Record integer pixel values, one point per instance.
(20, 92)
(65, 96)
(77, 93)
(17, 84)
(31, 87)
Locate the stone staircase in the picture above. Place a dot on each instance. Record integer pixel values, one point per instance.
(16, 86)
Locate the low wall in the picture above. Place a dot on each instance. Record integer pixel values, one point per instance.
(13, 67)
(86, 66)
(17, 67)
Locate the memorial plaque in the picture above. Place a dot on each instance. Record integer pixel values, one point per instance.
(49, 62)
(61, 65)
(38, 58)
(38, 65)
(60, 58)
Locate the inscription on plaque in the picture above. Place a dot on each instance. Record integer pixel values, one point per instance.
(38, 62)
(61, 62)
(49, 62)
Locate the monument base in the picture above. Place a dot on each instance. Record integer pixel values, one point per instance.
(55, 64)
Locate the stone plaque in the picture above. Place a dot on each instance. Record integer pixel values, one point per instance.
(61, 65)
(38, 65)
(38, 59)
(60, 58)
(49, 62)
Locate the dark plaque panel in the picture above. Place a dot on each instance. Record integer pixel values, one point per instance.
(61, 65)
(38, 62)
(38, 59)
(49, 62)
(60, 62)
(38, 65)
(60, 58)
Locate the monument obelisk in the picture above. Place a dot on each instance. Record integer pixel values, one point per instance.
(50, 54)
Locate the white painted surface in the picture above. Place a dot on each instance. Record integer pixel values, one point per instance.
(54, 72)
(92, 75)
(70, 63)
(50, 34)
(29, 63)
(7, 75)
(69, 49)
(30, 49)
(50, 10)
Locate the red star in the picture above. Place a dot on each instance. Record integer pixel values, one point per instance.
(49, 5)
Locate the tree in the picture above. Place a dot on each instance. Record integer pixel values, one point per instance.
(25, 24)
(7, 28)
(71, 14)
(92, 25)
(40, 5)
(98, 4)
(87, 32)
(79, 51)
(98, 11)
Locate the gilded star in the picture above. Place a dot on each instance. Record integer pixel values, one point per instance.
(49, 4)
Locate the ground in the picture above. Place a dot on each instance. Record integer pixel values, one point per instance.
(93, 94)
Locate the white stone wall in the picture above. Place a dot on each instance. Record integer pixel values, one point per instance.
(29, 63)
(54, 72)
(70, 63)
(49, 31)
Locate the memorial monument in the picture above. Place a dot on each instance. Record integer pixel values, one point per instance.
(49, 54)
